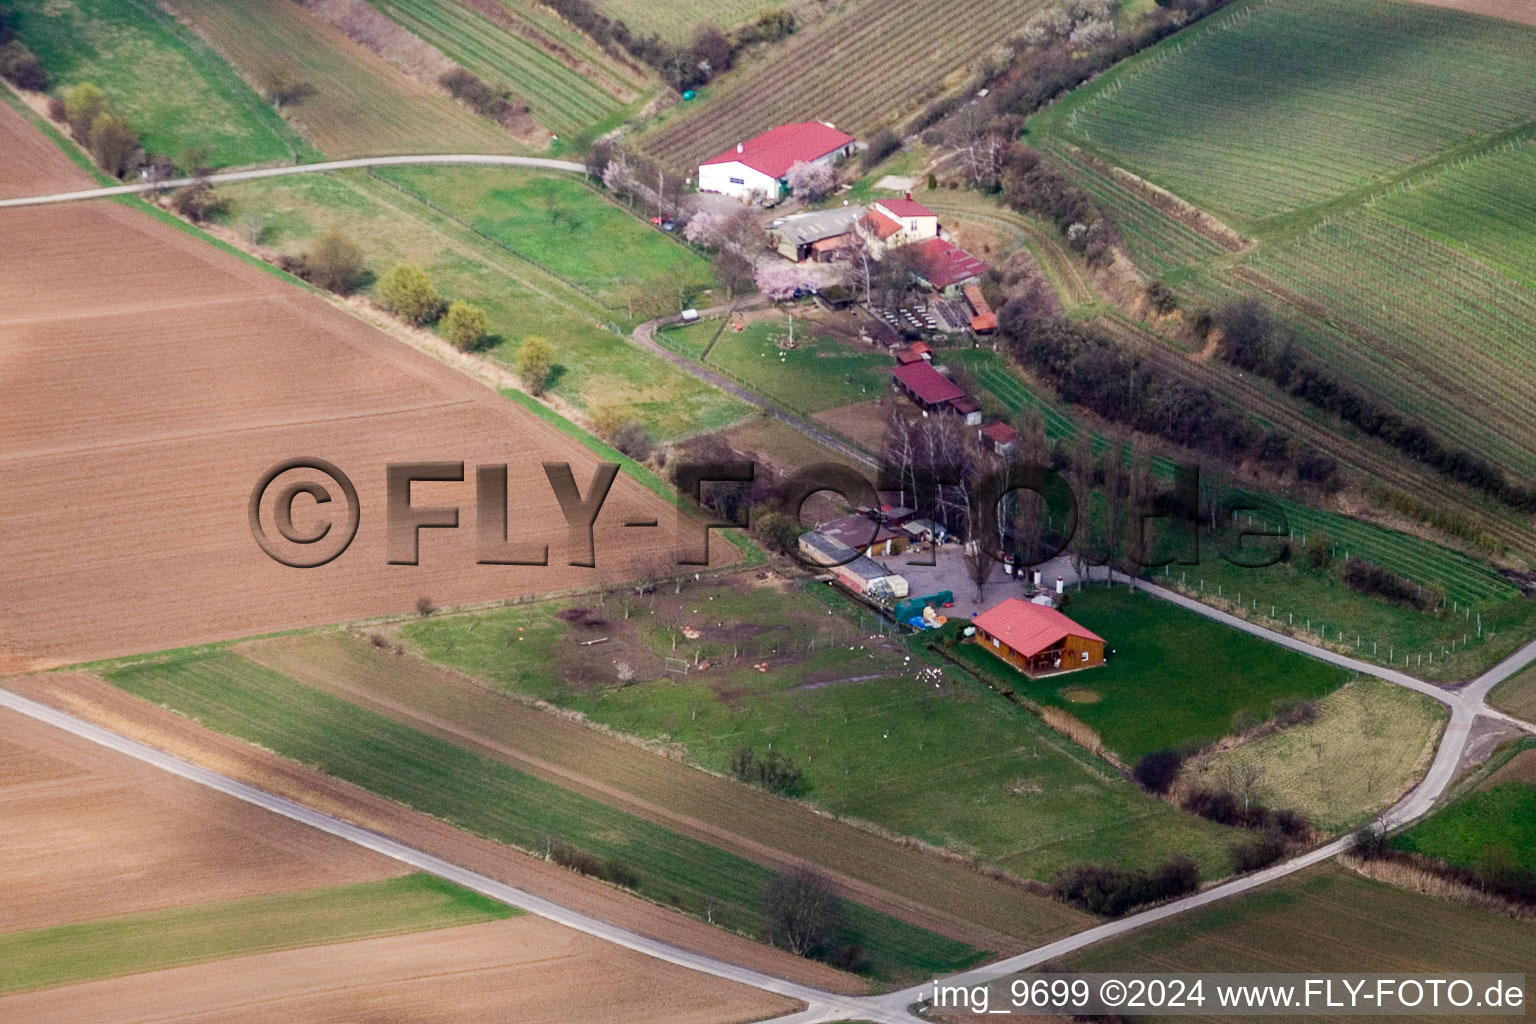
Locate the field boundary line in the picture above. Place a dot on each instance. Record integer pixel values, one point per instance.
(407, 160)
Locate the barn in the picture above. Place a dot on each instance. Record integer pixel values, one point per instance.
(1036, 639)
(757, 170)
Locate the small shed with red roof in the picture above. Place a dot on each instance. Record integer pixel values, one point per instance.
(758, 168)
(944, 267)
(1036, 639)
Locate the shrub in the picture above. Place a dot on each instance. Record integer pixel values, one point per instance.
(1368, 578)
(1257, 851)
(1111, 891)
(469, 89)
(408, 293)
(197, 202)
(20, 67)
(82, 102)
(773, 772)
(881, 145)
(112, 144)
(465, 324)
(334, 263)
(281, 83)
(536, 364)
(582, 862)
(425, 606)
(1317, 552)
(1158, 771)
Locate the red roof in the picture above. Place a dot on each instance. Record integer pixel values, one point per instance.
(929, 385)
(907, 207)
(1029, 628)
(922, 348)
(943, 264)
(881, 225)
(906, 355)
(1000, 433)
(778, 149)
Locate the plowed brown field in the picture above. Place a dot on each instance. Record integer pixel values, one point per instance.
(30, 164)
(85, 695)
(147, 380)
(86, 833)
(525, 970)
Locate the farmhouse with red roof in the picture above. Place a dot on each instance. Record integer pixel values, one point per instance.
(757, 169)
(945, 267)
(895, 222)
(1036, 639)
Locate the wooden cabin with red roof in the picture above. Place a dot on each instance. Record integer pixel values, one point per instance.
(1036, 639)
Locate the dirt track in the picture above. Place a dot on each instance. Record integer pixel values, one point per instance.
(1509, 10)
(88, 697)
(526, 969)
(149, 380)
(87, 834)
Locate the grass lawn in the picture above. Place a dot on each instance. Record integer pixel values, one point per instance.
(1491, 824)
(159, 939)
(595, 367)
(690, 339)
(564, 226)
(361, 105)
(819, 373)
(1172, 678)
(1517, 694)
(176, 93)
(1325, 919)
(880, 738)
(233, 695)
(1369, 743)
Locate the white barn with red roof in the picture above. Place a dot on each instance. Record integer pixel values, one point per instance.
(757, 169)
(891, 223)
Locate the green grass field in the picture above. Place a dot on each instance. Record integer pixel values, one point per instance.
(596, 366)
(160, 939)
(1174, 679)
(560, 224)
(819, 373)
(1270, 106)
(1517, 695)
(176, 93)
(1325, 919)
(1491, 823)
(941, 758)
(571, 86)
(361, 105)
(1370, 741)
(230, 694)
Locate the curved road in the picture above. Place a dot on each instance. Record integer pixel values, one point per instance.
(472, 159)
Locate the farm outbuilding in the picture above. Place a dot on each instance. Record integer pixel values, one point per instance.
(866, 576)
(926, 386)
(818, 235)
(945, 267)
(1036, 639)
(757, 170)
(865, 535)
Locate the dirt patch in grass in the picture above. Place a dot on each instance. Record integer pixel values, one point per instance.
(1520, 768)
(862, 422)
(1081, 695)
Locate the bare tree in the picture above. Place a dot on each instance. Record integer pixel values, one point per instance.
(802, 910)
(978, 564)
(1114, 498)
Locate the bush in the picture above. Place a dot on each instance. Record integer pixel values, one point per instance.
(1258, 851)
(582, 862)
(774, 772)
(197, 202)
(1317, 552)
(334, 263)
(1158, 771)
(1227, 808)
(82, 102)
(881, 145)
(465, 325)
(1368, 578)
(20, 67)
(281, 84)
(536, 364)
(408, 293)
(469, 89)
(112, 144)
(1112, 891)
